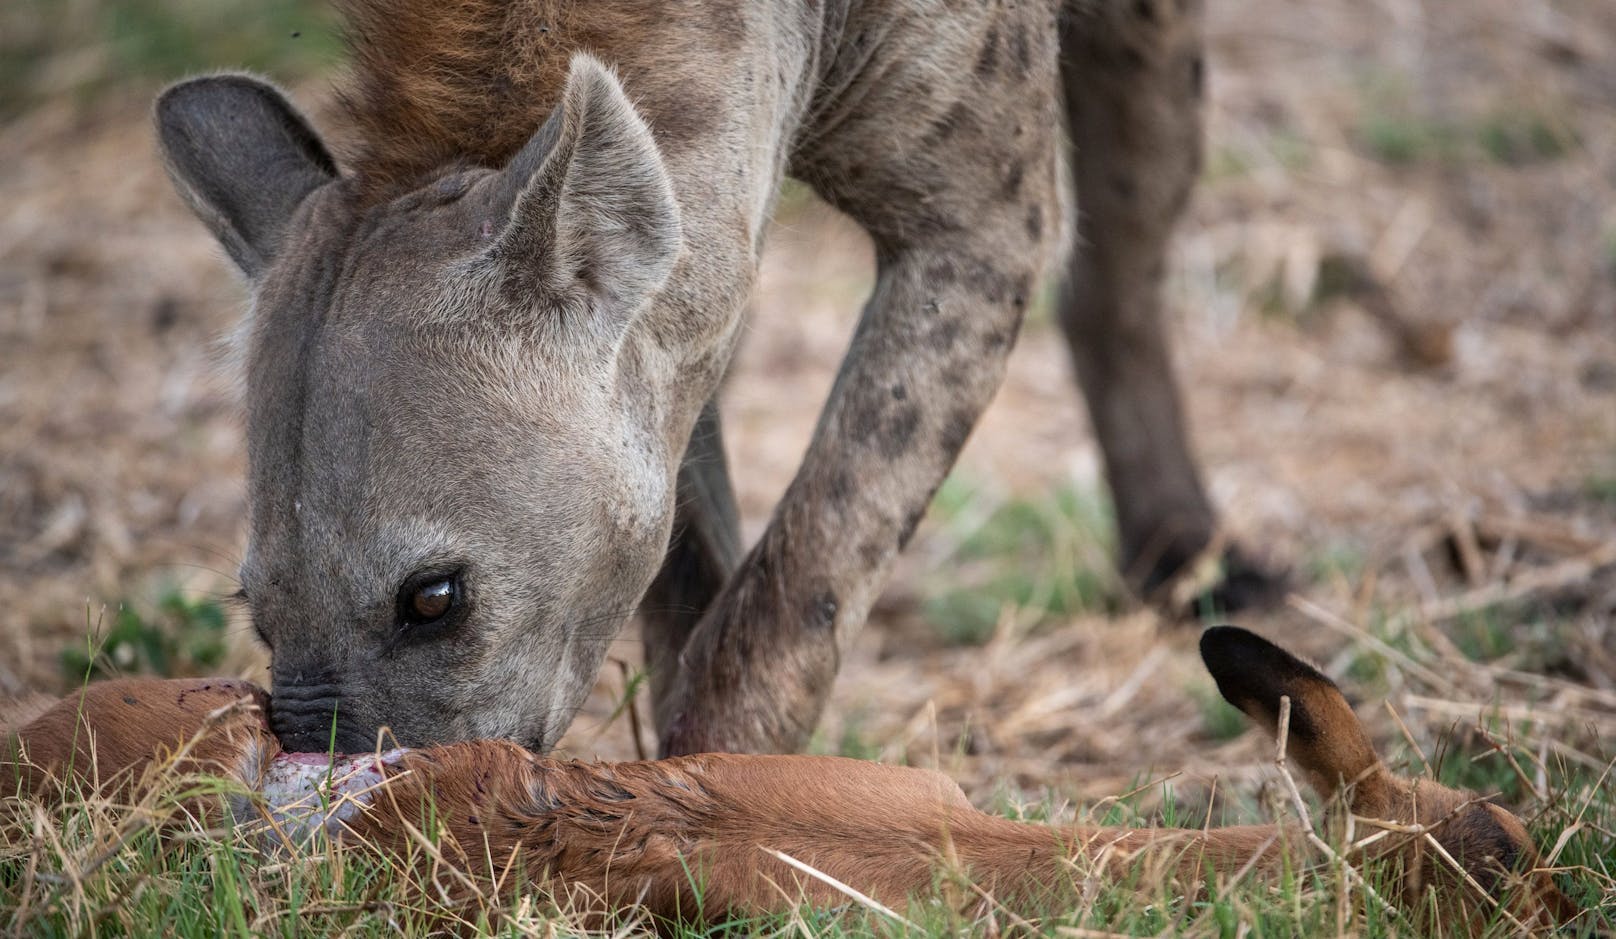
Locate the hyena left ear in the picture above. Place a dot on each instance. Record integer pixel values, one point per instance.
(593, 218)
(243, 158)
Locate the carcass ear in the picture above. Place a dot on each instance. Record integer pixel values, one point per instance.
(1326, 739)
(593, 221)
(243, 158)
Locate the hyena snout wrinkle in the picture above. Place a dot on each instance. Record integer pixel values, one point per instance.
(305, 711)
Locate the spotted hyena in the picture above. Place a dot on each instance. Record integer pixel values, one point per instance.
(483, 349)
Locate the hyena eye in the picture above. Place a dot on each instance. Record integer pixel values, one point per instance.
(433, 600)
(428, 599)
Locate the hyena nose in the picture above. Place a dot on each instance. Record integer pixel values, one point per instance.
(307, 716)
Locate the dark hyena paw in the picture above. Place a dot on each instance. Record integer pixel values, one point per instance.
(1246, 583)
(1239, 582)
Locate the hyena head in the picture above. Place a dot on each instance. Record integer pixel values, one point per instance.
(457, 486)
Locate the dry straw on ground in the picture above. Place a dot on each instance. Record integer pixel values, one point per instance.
(1430, 441)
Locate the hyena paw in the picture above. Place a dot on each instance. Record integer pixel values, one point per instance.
(1235, 581)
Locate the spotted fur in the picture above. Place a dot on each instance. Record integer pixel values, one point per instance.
(480, 342)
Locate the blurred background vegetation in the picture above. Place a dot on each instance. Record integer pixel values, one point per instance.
(1394, 303)
(51, 49)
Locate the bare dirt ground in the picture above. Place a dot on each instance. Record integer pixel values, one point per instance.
(1415, 454)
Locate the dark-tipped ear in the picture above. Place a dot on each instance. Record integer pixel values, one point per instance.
(1325, 737)
(593, 217)
(1253, 674)
(243, 158)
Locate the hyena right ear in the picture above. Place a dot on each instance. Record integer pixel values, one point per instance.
(1325, 737)
(243, 158)
(593, 220)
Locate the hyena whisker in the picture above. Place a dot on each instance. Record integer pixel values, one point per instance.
(193, 566)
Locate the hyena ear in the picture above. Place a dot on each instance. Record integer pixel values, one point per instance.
(243, 158)
(1326, 739)
(593, 219)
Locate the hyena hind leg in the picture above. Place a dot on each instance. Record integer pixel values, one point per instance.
(703, 551)
(1132, 77)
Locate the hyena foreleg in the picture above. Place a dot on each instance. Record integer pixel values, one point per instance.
(952, 172)
(928, 354)
(704, 550)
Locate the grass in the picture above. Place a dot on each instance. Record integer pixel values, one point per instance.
(1507, 138)
(853, 741)
(176, 635)
(96, 868)
(1556, 772)
(1220, 720)
(1392, 129)
(92, 46)
(99, 866)
(1036, 559)
(1281, 147)
(1338, 563)
(1601, 489)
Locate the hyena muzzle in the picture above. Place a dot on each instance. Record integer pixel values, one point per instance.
(481, 360)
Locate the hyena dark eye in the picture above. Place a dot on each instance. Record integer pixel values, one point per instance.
(428, 600)
(433, 600)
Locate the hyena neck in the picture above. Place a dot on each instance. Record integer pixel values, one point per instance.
(434, 84)
(721, 84)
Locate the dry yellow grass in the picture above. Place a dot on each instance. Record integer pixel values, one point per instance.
(1439, 465)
